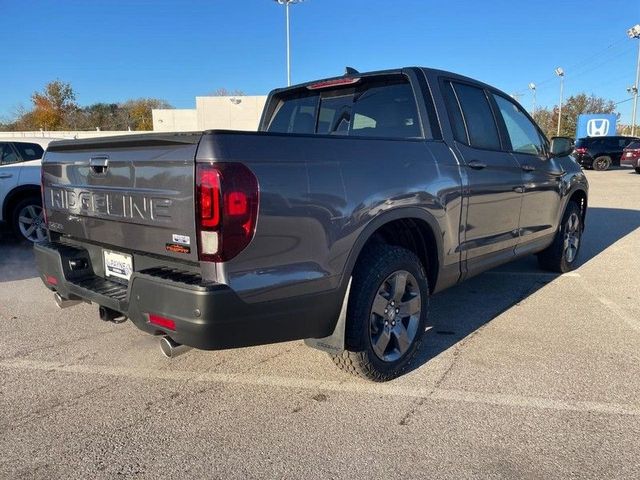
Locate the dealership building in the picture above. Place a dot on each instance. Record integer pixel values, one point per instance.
(222, 112)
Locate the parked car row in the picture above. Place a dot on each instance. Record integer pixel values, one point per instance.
(600, 153)
(631, 155)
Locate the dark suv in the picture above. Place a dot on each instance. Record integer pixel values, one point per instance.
(600, 153)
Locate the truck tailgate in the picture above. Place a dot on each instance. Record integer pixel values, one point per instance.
(135, 192)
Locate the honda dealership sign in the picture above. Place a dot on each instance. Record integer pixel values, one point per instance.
(596, 125)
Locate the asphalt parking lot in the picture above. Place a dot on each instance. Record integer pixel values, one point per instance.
(524, 374)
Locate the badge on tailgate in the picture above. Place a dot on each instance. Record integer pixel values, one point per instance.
(117, 264)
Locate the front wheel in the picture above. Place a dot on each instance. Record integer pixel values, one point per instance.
(386, 315)
(561, 256)
(637, 169)
(28, 220)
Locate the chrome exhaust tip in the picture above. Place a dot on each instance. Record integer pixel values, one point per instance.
(65, 302)
(170, 348)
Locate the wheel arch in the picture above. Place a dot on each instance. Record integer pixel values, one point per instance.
(579, 197)
(419, 232)
(14, 196)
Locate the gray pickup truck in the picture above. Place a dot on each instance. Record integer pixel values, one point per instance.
(358, 198)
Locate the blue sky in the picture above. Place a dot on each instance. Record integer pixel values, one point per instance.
(115, 50)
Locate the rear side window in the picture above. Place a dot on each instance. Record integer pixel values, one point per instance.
(29, 151)
(7, 154)
(374, 109)
(481, 128)
(455, 115)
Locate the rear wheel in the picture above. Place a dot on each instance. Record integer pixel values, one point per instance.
(637, 169)
(387, 313)
(561, 256)
(602, 163)
(28, 220)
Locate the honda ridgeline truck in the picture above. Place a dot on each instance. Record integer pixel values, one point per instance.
(358, 198)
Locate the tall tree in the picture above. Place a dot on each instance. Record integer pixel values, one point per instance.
(51, 106)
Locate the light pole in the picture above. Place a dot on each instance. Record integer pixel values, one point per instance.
(560, 73)
(286, 4)
(634, 32)
(532, 87)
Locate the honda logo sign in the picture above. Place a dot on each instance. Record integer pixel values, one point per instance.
(596, 125)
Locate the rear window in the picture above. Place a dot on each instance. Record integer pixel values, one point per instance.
(481, 128)
(373, 109)
(29, 151)
(634, 144)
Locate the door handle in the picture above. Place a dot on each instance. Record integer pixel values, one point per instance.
(6, 175)
(476, 165)
(99, 165)
(528, 168)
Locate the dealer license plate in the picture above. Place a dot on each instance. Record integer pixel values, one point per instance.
(117, 264)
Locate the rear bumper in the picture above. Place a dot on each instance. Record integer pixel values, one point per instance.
(207, 316)
(631, 161)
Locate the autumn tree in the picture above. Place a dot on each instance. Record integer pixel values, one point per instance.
(52, 105)
(138, 112)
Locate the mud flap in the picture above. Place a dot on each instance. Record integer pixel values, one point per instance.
(334, 343)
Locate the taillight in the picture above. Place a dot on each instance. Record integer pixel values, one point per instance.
(581, 150)
(227, 209)
(44, 205)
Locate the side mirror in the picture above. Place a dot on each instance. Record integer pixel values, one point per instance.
(561, 146)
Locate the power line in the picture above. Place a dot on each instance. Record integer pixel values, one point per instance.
(582, 63)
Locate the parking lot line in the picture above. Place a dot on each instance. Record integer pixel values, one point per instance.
(385, 389)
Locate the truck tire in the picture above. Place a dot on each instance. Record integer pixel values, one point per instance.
(27, 220)
(602, 163)
(386, 314)
(561, 256)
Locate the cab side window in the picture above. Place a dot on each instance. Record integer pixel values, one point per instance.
(523, 134)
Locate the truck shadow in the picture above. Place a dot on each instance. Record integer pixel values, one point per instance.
(460, 311)
(16, 258)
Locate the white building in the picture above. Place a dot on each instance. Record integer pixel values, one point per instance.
(233, 113)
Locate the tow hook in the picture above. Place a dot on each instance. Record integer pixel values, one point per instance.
(170, 348)
(109, 315)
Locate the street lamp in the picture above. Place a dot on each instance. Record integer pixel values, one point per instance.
(286, 4)
(532, 87)
(634, 32)
(560, 72)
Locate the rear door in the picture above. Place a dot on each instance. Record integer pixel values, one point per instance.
(494, 186)
(9, 171)
(541, 175)
(131, 193)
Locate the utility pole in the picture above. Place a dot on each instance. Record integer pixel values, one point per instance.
(634, 32)
(532, 87)
(560, 73)
(286, 4)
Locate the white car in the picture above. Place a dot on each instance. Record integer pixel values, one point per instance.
(20, 198)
